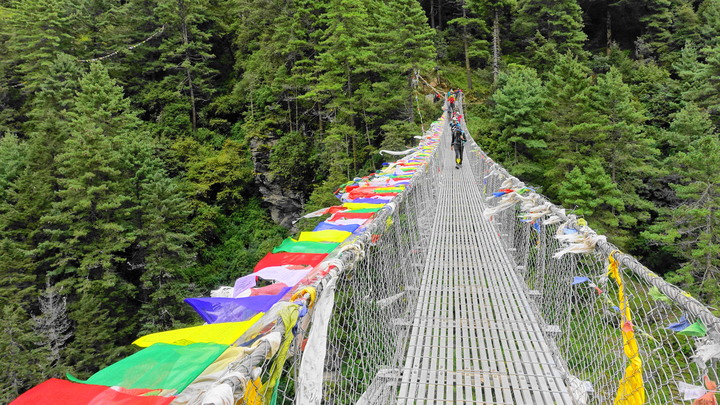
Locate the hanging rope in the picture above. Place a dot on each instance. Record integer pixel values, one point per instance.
(422, 121)
(131, 47)
(428, 84)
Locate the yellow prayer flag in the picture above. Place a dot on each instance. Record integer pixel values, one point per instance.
(360, 206)
(222, 333)
(329, 235)
(251, 395)
(631, 390)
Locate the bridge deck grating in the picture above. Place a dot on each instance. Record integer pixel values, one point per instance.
(474, 337)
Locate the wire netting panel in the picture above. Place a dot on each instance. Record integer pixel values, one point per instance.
(368, 329)
(583, 318)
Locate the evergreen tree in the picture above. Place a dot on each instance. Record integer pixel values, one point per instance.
(88, 226)
(498, 9)
(471, 27)
(655, 89)
(571, 121)
(19, 362)
(623, 143)
(710, 75)
(37, 32)
(185, 86)
(690, 71)
(688, 125)
(30, 195)
(103, 329)
(162, 243)
(709, 14)
(12, 161)
(686, 25)
(592, 193)
(691, 229)
(558, 22)
(517, 113)
(658, 22)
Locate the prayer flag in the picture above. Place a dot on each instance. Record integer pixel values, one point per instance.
(62, 392)
(631, 390)
(221, 333)
(279, 259)
(329, 235)
(220, 309)
(293, 246)
(161, 365)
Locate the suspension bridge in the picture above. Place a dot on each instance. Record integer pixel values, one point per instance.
(430, 284)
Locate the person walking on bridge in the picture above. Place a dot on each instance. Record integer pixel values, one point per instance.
(458, 143)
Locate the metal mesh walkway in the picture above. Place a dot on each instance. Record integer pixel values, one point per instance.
(474, 338)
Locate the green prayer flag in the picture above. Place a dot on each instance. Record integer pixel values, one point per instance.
(697, 329)
(362, 210)
(293, 246)
(657, 295)
(160, 366)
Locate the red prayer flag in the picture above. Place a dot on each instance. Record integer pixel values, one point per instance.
(279, 259)
(61, 392)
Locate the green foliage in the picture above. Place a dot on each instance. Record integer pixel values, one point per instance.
(688, 125)
(549, 24)
(691, 229)
(243, 238)
(216, 175)
(12, 161)
(658, 21)
(517, 121)
(292, 158)
(590, 191)
(21, 365)
(140, 182)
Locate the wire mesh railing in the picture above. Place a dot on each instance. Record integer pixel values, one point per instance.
(624, 338)
(620, 333)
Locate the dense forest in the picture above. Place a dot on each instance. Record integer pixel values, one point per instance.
(152, 150)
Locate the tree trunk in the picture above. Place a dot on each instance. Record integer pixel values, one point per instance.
(440, 14)
(432, 14)
(496, 46)
(465, 47)
(186, 41)
(608, 28)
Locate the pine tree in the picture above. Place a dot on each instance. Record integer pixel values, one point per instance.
(570, 121)
(471, 27)
(103, 329)
(20, 363)
(517, 113)
(658, 22)
(12, 161)
(30, 195)
(558, 22)
(686, 25)
(709, 14)
(693, 228)
(710, 75)
(179, 97)
(622, 142)
(593, 194)
(688, 125)
(161, 249)
(498, 9)
(88, 226)
(690, 70)
(37, 32)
